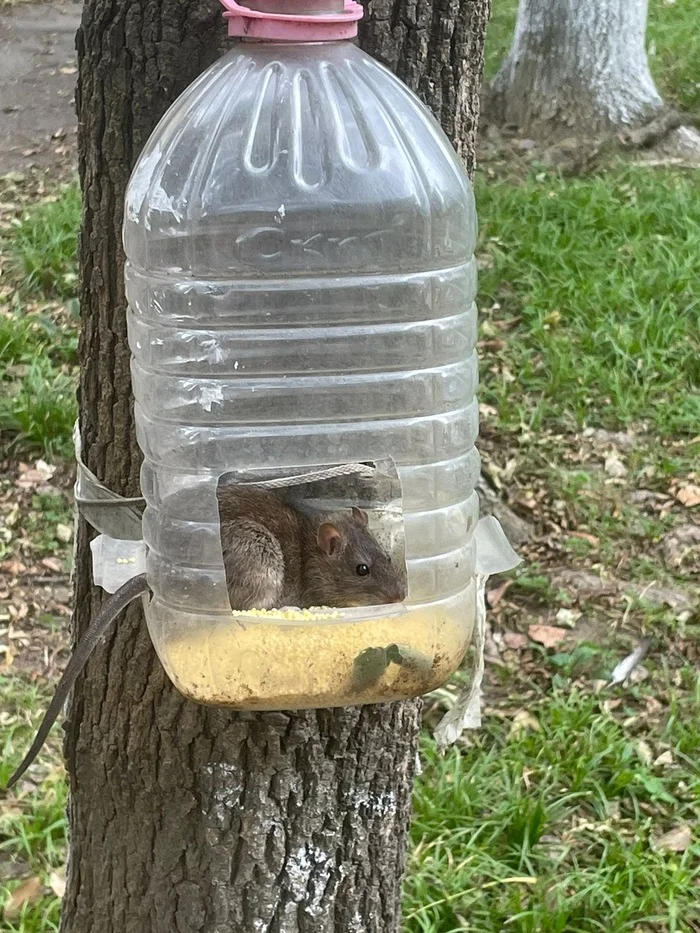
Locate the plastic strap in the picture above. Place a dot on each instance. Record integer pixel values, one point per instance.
(343, 469)
(493, 555)
(109, 513)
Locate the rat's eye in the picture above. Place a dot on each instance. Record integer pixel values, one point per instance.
(362, 570)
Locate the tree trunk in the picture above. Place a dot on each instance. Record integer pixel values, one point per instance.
(576, 64)
(186, 819)
(437, 49)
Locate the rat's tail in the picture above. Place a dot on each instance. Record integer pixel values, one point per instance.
(137, 586)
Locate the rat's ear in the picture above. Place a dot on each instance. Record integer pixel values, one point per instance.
(329, 539)
(360, 517)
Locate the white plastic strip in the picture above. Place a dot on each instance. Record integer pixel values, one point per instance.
(115, 562)
(494, 554)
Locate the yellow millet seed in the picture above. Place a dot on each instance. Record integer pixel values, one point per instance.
(313, 614)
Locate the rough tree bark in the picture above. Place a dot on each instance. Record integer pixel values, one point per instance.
(437, 48)
(581, 65)
(185, 819)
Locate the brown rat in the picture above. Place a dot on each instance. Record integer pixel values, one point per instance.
(276, 554)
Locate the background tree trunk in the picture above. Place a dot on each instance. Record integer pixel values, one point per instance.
(185, 819)
(576, 64)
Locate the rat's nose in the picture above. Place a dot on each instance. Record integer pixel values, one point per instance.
(396, 595)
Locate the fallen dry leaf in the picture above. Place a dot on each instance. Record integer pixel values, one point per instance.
(18, 611)
(677, 545)
(515, 640)
(638, 676)
(615, 467)
(493, 345)
(27, 893)
(547, 635)
(585, 536)
(64, 533)
(493, 597)
(603, 438)
(57, 880)
(506, 325)
(664, 760)
(585, 583)
(568, 617)
(689, 496)
(522, 721)
(51, 563)
(628, 664)
(14, 567)
(39, 474)
(644, 752)
(12, 516)
(677, 840)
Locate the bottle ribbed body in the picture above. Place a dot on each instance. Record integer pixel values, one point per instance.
(301, 279)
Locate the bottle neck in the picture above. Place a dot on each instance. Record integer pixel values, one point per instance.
(295, 7)
(293, 20)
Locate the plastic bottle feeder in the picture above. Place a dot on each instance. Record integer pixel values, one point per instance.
(300, 275)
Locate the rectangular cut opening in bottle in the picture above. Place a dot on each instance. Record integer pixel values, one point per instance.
(329, 536)
(357, 642)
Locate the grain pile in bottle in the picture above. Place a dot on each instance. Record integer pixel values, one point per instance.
(313, 657)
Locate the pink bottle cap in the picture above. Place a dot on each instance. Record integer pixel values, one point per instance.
(292, 27)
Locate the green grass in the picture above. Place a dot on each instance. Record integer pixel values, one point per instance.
(38, 369)
(673, 40)
(40, 527)
(32, 821)
(552, 831)
(38, 340)
(498, 35)
(43, 245)
(673, 43)
(48, 510)
(601, 274)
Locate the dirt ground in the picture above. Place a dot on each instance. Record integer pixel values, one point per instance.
(37, 85)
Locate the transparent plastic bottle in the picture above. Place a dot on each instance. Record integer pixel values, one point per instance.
(300, 275)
